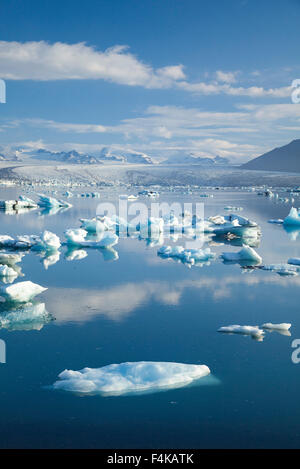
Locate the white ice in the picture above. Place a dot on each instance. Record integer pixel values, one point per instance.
(79, 237)
(293, 217)
(21, 292)
(49, 202)
(245, 254)
(254, 331)
(28, 317)
(129, 377)
(186, 255)
(284, 326)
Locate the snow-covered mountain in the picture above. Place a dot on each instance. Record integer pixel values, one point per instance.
(105, 155)
(123, 156)
(190, 159)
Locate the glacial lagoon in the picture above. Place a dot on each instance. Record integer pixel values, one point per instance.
(129, 304)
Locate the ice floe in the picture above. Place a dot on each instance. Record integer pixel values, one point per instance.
(46, 241)
(50, 202)
(284, 326)
(7, 274)
(27, 317)
(189, 256)
(294, 261)
(253, 331)
(130, 377)
(246, 254)
(21, 292)
(79, 237)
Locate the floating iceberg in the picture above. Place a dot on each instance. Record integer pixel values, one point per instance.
(253, 331)
(284, 326)
(151, 227)
(189, 256)
(126, 378)
(49, 202)
(293, 218)
(10, 259)
(79, 237)
(7, 274)
(21, 292)
(28, 317)
(245, 254)
(277, 221)
(46, 241)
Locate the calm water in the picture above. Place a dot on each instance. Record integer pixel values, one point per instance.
(141, 307)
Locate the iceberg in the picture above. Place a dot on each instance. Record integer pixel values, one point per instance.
(277, 221)
(79, 237)
(21, 292)
(284, 326)
(10, 259)
(28, 317)
(151, 227)
(245, 254)
(293, 217)
(49, 202)
(189, 256)
(253, 331)
(46, 241)
(7, 274)
(130, 377)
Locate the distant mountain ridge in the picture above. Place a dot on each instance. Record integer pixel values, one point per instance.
(285, 158)
(191, 159)
(105, 155)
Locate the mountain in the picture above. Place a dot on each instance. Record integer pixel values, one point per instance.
(286, 158)
(189, 158)
(105, 155)
(123, 156)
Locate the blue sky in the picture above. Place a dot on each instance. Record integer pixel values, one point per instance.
(160, 76)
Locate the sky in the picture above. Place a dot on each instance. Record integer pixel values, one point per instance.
(165, 77)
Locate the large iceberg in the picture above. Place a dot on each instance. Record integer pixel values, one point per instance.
(293, 218)
(126, 378)
(79, 237)
(21, 292)
(28, 317)
(247, 254)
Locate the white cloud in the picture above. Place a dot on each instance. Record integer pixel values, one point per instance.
(60, 61)
(226, 77)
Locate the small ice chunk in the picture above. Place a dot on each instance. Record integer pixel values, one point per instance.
(245, 254)
(10, 259)
(7, 272)
(277, 221)
(21, 292)
(285, 326)
(254, 331)
(130, 377)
